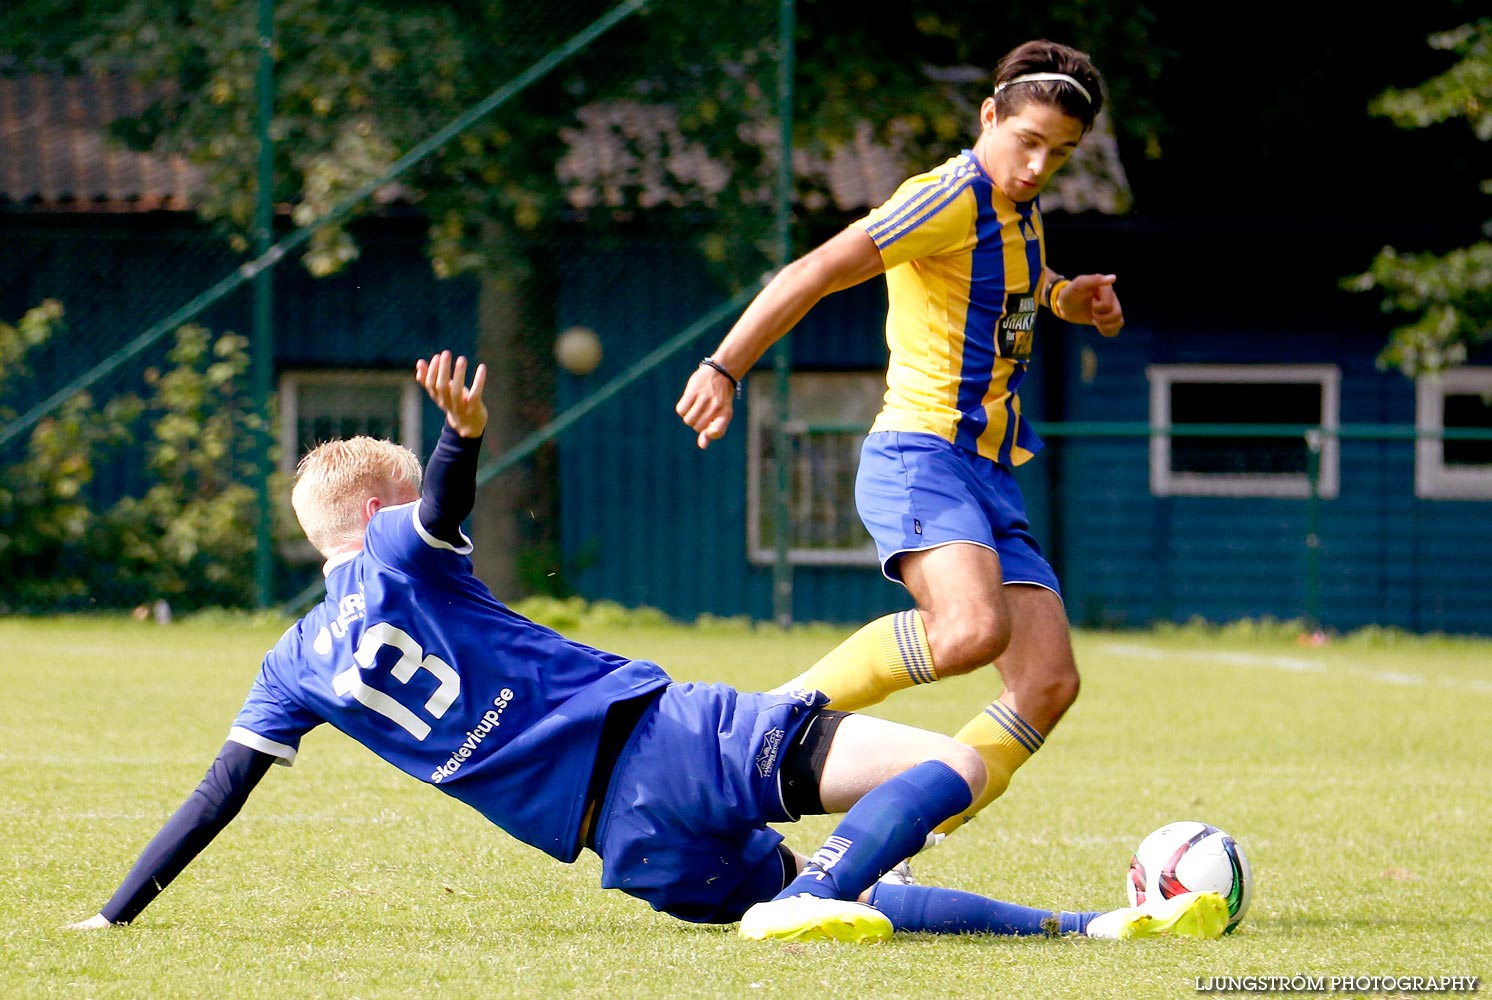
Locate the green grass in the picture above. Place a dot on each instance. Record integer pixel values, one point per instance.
(1355, 775)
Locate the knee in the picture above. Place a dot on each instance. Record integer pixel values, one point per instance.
(1070, 686)
(967, 642)
(1056, 688)
(965, 761)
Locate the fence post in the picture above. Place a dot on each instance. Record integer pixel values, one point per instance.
(782, 569)
(263, 349)
(1313, 438)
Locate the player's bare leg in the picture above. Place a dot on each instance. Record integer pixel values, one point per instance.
(867, 752)
(972, 617)
(1041, 683)
(966, 617)
(1038, 667)
(955, 628)
(962, 603)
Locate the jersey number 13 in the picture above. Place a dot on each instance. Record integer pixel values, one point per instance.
(412, 658)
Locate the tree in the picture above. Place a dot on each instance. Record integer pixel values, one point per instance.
(1451, 293)
(189, 536)
(45, 517)
(361, 82)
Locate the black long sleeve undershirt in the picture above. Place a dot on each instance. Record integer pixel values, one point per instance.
(450, 490)
(206, 811)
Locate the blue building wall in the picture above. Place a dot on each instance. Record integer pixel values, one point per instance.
(1385, 557)
(118, 278)
(649, 519)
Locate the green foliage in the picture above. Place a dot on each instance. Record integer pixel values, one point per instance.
(357, 85)
(46, 520)
(187, 537)
(1452, 292)
(564, 614)
(732, 623)
(34, 329)
(1266, 628)
(1300, 632)
(567, 613)
(694, 85)
(1462, 91)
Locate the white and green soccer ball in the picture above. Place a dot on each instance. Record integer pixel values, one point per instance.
(1189, 856)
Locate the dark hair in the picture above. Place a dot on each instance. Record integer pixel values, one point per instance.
(1042, 56)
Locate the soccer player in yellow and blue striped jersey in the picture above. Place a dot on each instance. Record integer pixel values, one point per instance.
(963, 251)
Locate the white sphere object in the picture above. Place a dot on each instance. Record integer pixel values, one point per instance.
(1191, 856)
(578, 350)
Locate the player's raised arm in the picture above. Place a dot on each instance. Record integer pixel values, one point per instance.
(450, 487)
(842, 262)
(201, 817)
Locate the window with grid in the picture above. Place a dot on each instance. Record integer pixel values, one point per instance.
(324, 405)
(1452, 409)
(828, 416)
(1223, 458)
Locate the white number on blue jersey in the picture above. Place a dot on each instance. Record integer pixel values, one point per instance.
(413, 658)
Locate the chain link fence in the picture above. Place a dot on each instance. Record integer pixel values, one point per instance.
(472, 177)
(580, 194)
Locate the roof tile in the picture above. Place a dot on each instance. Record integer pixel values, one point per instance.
(56, 153)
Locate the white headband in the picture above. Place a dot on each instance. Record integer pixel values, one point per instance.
(1040, 77)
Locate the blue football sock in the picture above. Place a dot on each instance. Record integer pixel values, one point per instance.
(889, 824)
(948, 911)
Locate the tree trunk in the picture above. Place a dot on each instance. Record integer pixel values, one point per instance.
(514, 509)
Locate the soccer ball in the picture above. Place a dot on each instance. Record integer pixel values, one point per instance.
(578, 350)
(1191, 857)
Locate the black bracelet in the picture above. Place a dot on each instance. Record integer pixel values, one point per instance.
(1052, 291)
(1051, 287)
(712, 363)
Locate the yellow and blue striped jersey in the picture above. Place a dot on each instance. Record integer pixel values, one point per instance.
(963, 263)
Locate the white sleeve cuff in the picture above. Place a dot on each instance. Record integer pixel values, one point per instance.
(285, 755)
(436, 543)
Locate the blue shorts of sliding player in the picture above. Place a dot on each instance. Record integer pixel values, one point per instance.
(684, 821)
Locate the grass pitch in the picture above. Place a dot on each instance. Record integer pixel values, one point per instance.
(1355, 775)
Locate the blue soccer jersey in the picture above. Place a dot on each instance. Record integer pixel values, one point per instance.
(412, 656)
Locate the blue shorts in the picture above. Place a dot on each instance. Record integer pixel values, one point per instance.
(684, 821)
(918, 491)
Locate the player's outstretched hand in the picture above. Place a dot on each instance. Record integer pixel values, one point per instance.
(445, 381)
(707, 404)
(93, 923)
(1090, 298)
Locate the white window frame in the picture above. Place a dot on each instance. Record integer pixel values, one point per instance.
(1166, 482)
(293, 382)
(761, 420)
(1433, 479)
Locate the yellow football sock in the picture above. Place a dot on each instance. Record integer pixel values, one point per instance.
(889, 654)
(1005, 741)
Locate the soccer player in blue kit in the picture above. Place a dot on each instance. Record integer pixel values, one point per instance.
(568, 747)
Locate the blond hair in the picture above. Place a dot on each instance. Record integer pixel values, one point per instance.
(335, 479)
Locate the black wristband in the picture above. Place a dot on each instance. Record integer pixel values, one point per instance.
(1053, 289)
(717, 366)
